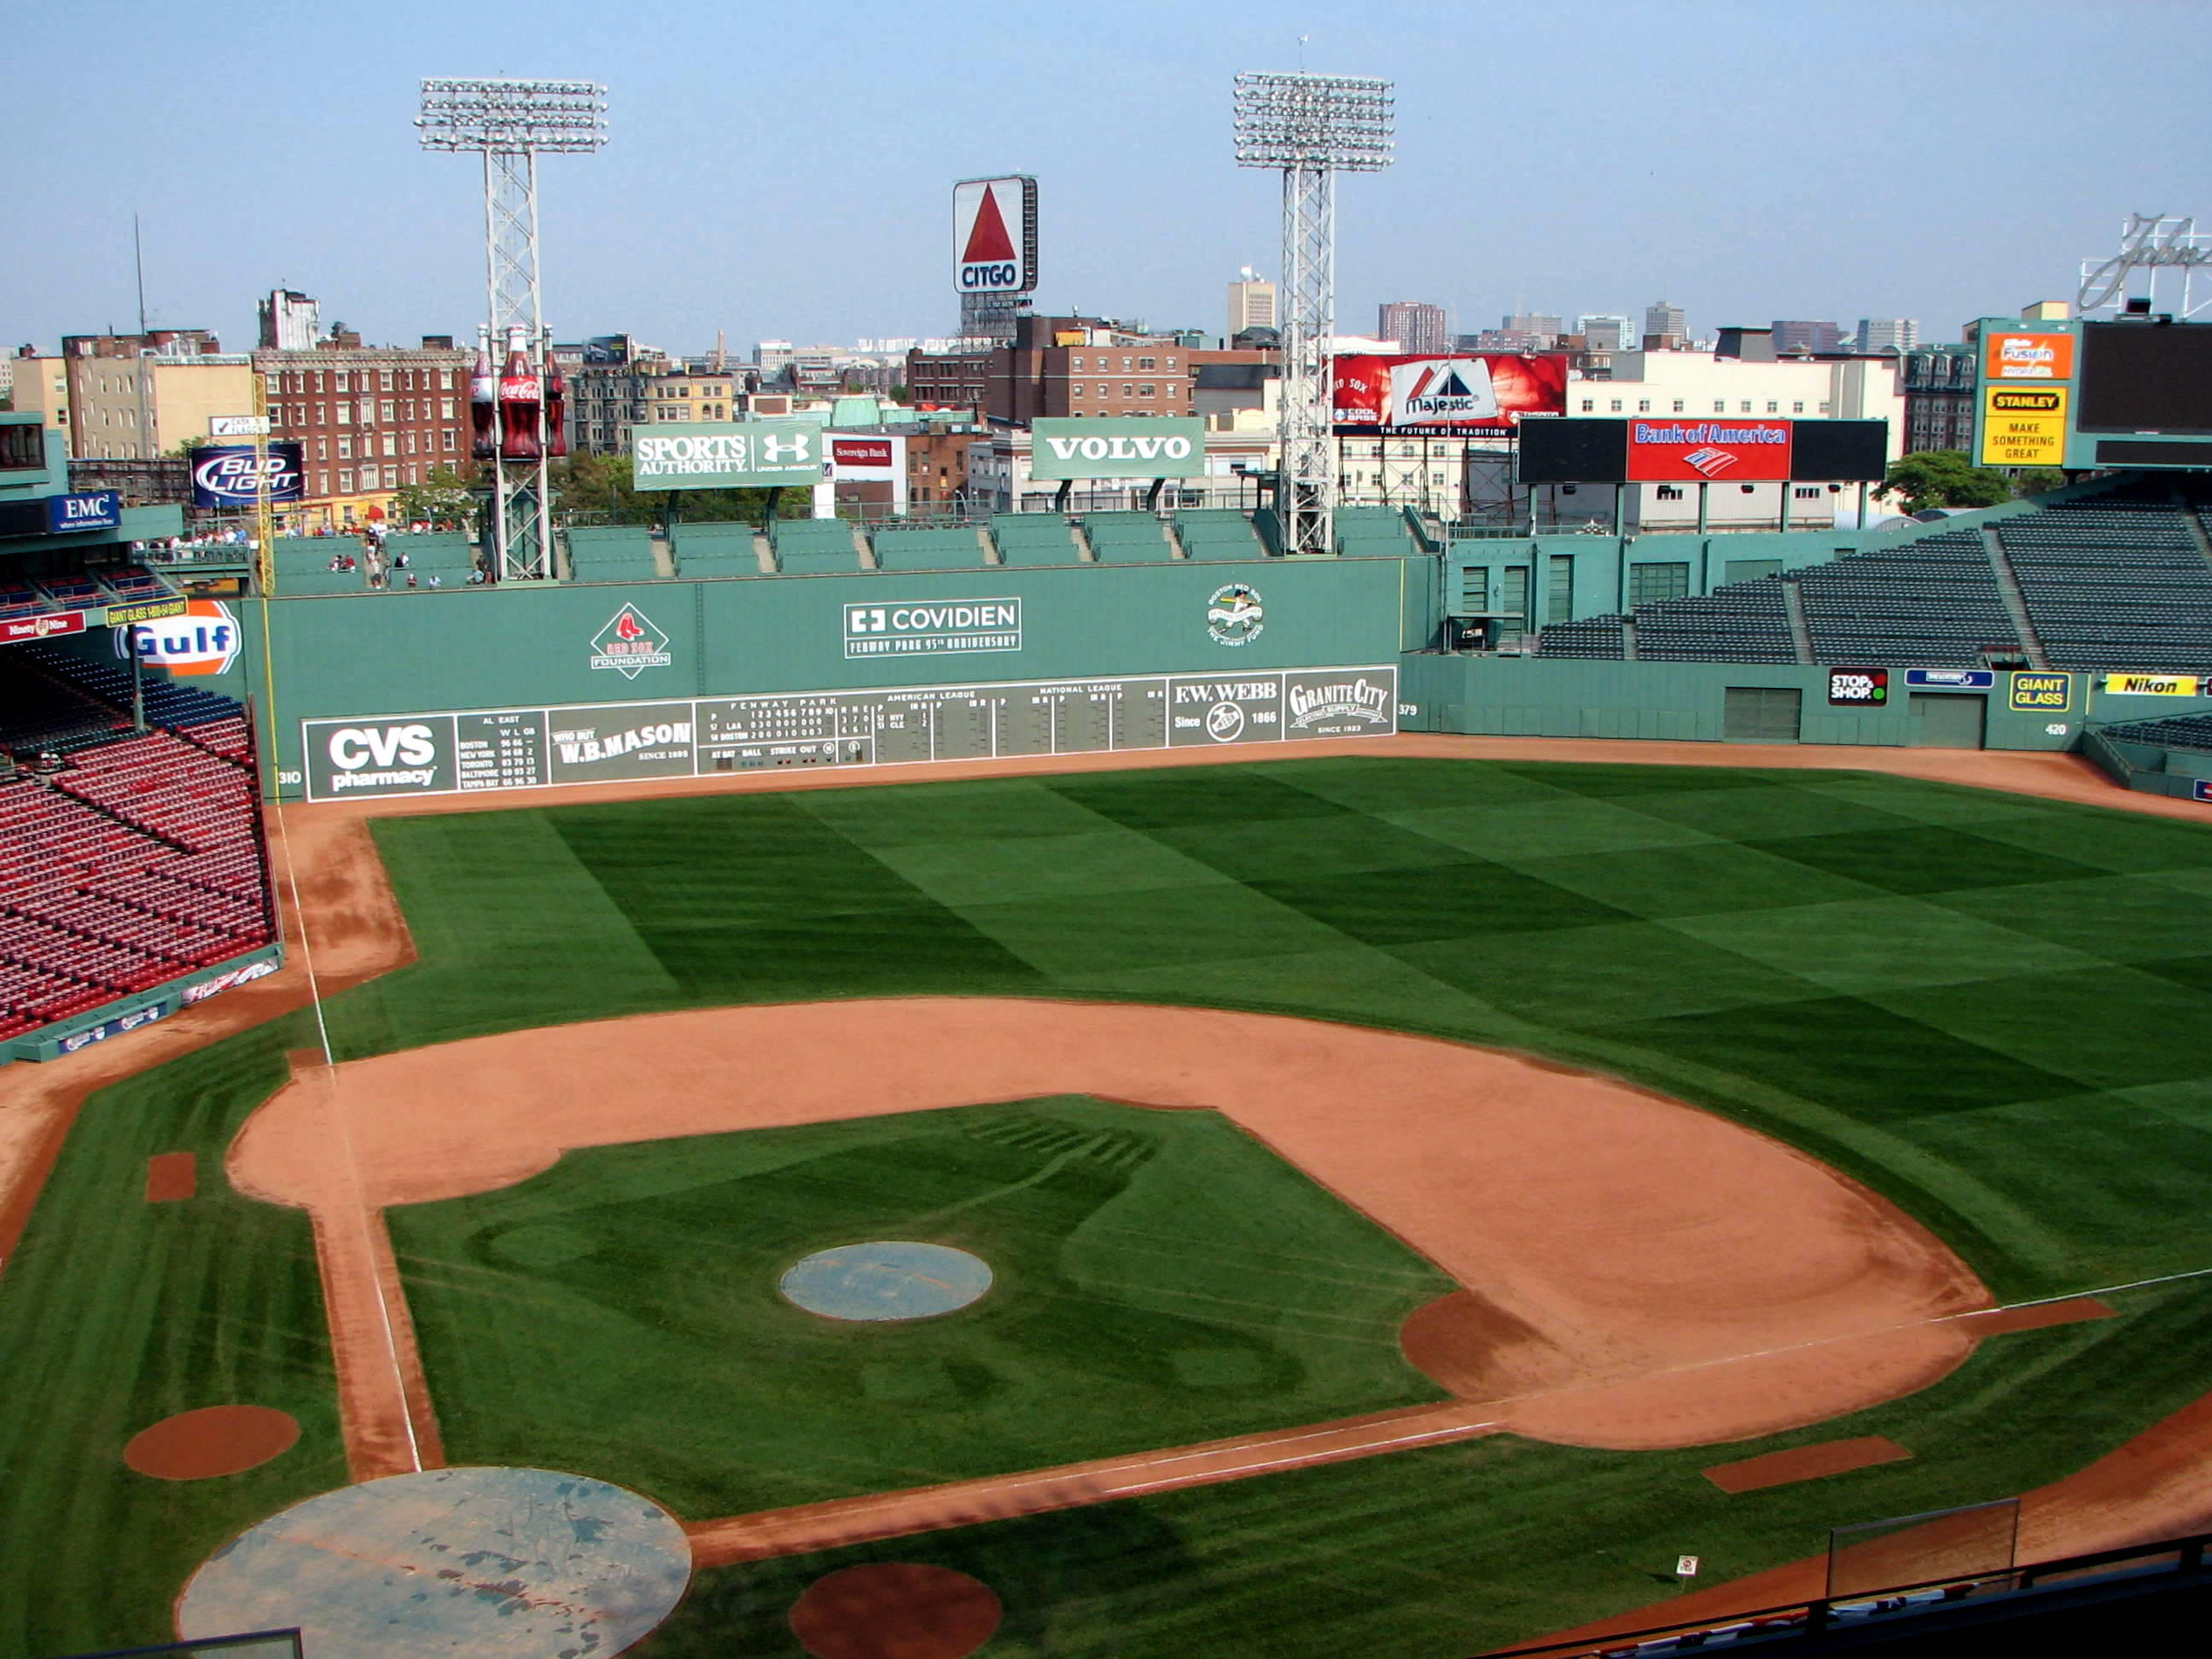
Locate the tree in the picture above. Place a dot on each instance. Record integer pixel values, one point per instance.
(2037, 480)
(604, 486)
(1944, 477)
(441, 498)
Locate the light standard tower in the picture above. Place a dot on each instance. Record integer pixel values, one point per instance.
(510, 123)
(1312, 127)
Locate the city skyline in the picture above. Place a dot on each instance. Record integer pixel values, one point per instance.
(772, 213)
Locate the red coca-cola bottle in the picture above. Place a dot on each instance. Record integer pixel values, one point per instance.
(556, 410)
(484, 407)
(519, 395)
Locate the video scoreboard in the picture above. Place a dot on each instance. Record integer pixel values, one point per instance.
(2094, 396)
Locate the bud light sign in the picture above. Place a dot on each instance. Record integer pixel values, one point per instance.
(228, 475)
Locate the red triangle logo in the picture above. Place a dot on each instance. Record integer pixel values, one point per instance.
(987, 242)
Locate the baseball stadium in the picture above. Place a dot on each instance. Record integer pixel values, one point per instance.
(1085, 1085)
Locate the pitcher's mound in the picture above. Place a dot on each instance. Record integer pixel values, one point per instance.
(895, 1610)
(211, 1441)
(496, 1563)
(886, 1278)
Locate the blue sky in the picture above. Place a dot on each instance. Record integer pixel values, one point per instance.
(784, 170)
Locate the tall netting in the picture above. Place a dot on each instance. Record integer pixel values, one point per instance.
(1915, 1549)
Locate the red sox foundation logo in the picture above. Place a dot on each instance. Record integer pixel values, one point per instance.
(629, 644)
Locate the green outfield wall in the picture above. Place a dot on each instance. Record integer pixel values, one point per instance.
(653, 649)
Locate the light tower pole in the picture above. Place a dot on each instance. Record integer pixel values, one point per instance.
(510, 123)
(1311, 127)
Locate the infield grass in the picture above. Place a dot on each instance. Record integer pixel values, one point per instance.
(1996, 1012)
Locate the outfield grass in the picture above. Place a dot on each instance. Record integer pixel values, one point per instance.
(1997, 1011)
(1159, 1279)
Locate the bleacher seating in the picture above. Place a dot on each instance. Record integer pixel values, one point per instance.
(1218, 533)
(73, 591)
(131, 583)
(1933, 602)
(1597, 637)
(613, 553)
(713, 549)
(1034, 539)
(2113, 581)
(1746, 622)
(2190, 731)
(937, 549)
(1127, 537)
(808, 547)
(136, 859)
(1373, 533)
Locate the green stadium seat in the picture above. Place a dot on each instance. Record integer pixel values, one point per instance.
(1218, 533)
(1034, 539)
(612, 553)
(811, 547)
(927, 550)
(1127, 539)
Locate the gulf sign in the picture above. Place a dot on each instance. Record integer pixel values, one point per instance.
(1484, 391)
(229, 475)
(995, 234)
(1708, 452)
(205, 639)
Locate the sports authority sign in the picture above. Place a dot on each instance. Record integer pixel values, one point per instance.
(933, 629)
(729, 455)
(994, 235)
(1118, 447)
(1480, 392)
(1737, 452)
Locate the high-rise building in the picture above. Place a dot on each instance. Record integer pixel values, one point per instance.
(289, 321)
(1416, 327)
(1607, 332)
(1252, 303)
(1533, 322)
(1802, 334)
(1888, 335)
(1666, 323)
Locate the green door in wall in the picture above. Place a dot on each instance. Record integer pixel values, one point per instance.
(1760, 714)
(1947, 720)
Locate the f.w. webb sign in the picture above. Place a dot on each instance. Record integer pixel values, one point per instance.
(1118, 447)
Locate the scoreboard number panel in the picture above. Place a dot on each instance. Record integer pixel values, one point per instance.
(452, 752)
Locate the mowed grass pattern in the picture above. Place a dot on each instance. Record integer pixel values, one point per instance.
(1996, 1011)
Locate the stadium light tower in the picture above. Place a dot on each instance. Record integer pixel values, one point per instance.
(510, 123)
(1311, 127)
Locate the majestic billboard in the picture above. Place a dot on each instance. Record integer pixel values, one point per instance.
(994, 235)
(1484, 392)
(1118, 447)
(728, 455)
(1735, 451)
(227, 475)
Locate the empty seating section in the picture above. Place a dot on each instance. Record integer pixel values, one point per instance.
(19, 599)
(1933, 602)
(1592, 636)
(613, 553)
(807, 547)
(1373, 533)
(956, 549)
(1746, 622)
(1127, 538)
(2113, 581)
(1218, 533)
(73, 593)
(2192, 731)
(713, 549)
(134, 581)
(138, 857)
(1034, 539)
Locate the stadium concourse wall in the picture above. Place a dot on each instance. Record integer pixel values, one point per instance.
(546, 648)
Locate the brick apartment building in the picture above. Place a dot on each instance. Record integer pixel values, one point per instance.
(369, 419)
(1064, 366)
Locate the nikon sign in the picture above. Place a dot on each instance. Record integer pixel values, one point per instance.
(1126, 446)
(731, 455)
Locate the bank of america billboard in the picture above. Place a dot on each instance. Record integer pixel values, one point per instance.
(1471, 393)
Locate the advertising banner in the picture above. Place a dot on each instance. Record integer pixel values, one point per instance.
(2155, 685)
(1951, 679)
(875, 459)
(1862, 688)
(994, 235)
(626, 740)
(728, 455)
(1118, 447)
(145, 611)
(2037, 356)
(932, 629)
(2023, 426)
(16, 630)
(200, 637)
(1736, 451)
(227, 475)
(94, 509)
(2042, 694)
(1446, 397)
(399, 755)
